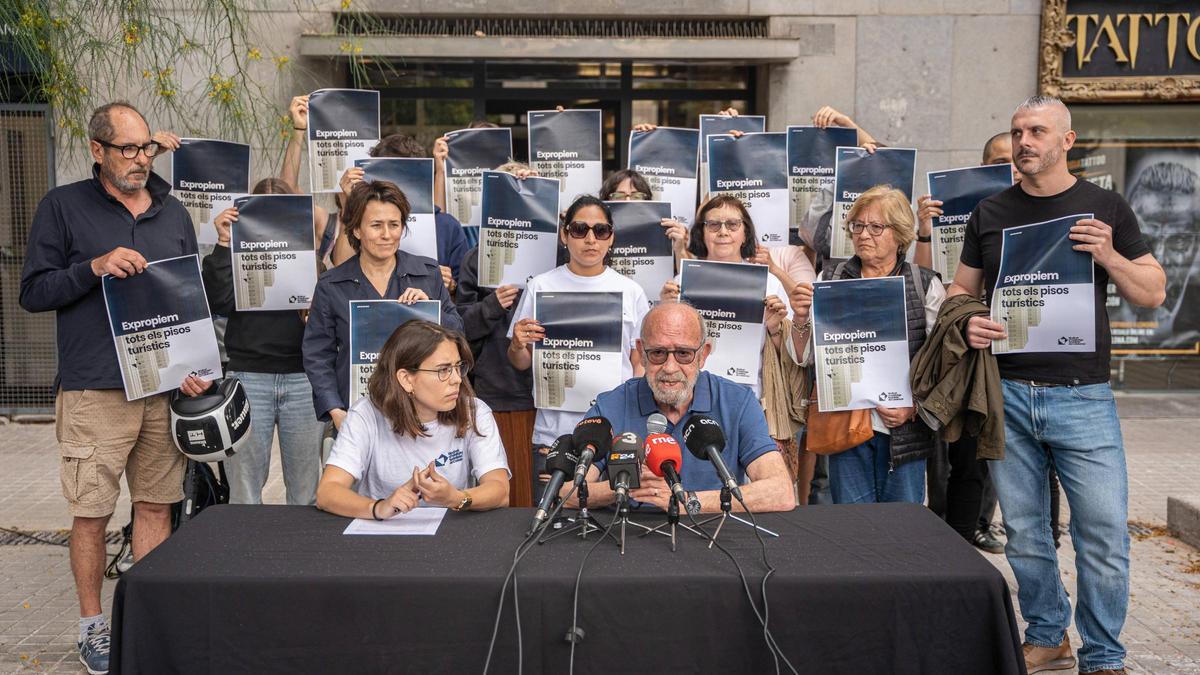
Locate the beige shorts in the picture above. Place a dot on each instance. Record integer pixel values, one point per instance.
(101, 436)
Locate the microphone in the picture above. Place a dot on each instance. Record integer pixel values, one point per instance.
(656, 424)
(705, 440)
(591, 436)
(663, 457)
(624, 461)
(560, 462)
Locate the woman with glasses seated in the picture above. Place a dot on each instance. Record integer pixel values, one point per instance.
(420, 437)
(587, 233)
(890, 467)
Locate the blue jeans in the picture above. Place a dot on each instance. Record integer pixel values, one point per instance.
(283, 400)
(863, 475)
(1076, 429)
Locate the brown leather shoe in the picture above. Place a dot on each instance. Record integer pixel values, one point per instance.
(1042, 659)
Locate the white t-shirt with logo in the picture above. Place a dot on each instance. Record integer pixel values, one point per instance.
(382, 460)
(550, 424)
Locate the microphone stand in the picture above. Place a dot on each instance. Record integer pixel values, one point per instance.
(727, 514)
(672, 521)
(583, 521)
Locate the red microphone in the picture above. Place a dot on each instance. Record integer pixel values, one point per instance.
(663, 458)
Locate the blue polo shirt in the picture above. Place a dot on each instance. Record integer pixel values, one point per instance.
(732, 405)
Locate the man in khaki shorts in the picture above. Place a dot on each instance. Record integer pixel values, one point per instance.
(112, 223)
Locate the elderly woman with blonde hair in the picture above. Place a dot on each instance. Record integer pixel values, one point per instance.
(890, 467)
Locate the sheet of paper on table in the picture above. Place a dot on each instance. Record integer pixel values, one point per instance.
(423, 521)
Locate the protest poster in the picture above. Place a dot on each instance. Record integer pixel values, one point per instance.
(730, 297)
(414, 177)
(372, 322)
(1044, 295)
(161, 326)
(723, 124)
(641, 249)
(470, 152)
(343, 125)
(860, 343)
(811, 157)
(518, 234)
(566, 145)
(1160, 179)
(668, 158)
(753, 168)
(580, 356)
(960, 191)
(857, 171)
(206, 176)
(274, 256)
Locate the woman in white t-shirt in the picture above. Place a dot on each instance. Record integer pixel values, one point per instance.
(419, 437)
(587, 233)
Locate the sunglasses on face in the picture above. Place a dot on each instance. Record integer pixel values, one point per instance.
(579, 230)
(731, 225)
(619, 196)
(658, 355)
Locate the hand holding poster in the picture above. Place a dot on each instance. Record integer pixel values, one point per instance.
(566, 145)
(274, 256)
(518, 236)
(161, 326)
(1044, 295)
(641, 249)
(857, 171)
(414, 177)
(730, 297)
(667, 157)
(723, 124)
(470, 152)
(811, 157)
(372, 322)
(860, 344)
(206, 176)
(580, 357)
(343, 125)
(960, 191)
(753, 168)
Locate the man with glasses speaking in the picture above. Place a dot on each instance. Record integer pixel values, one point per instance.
(114, 223)
(673, 346)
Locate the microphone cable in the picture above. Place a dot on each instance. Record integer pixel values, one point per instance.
(772, 646)
(770, 570)
(578, 579)
(524, 547)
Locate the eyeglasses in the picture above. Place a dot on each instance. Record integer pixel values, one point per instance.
(579, 230)
(683, 355)
(619, 196)
(443, 373)
(731, 225)
(857, 227)
(150, 149)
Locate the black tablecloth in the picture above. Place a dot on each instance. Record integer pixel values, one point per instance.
(883, 588)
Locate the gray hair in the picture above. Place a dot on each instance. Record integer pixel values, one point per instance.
(663, 306)
(100, 126)
(1042, 101)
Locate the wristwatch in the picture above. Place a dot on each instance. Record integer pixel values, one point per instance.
(465, 503)
(693, 503)
(924, 238)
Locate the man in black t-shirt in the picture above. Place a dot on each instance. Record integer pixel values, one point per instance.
(1058, 406)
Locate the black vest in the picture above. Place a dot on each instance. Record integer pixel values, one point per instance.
(913, 440)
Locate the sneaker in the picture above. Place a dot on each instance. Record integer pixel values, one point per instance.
(1042, 659)
(984, 541)
(997, 530)
(93, 651)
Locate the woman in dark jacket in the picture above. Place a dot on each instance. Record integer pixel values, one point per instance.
(890, 467)
(375, 217)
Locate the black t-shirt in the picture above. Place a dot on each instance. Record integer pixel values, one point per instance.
(1014, 207)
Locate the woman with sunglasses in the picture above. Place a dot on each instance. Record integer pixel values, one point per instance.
(587, 233)
(890, 467)
(419, 438)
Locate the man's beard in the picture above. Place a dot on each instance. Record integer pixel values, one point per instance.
(125, 183)
(673, 397)
(1045, 161)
